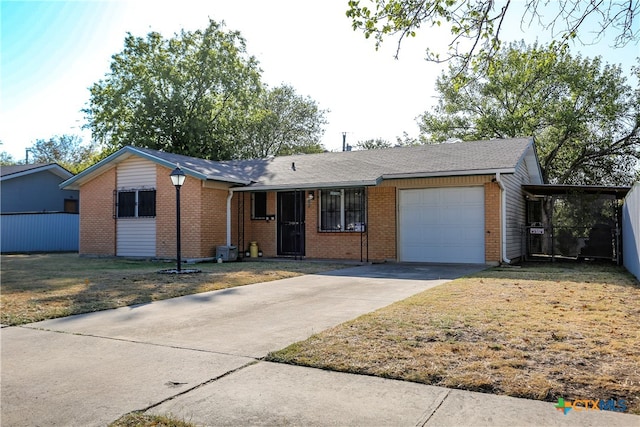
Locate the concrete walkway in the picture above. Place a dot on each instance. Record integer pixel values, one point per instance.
(199, 358)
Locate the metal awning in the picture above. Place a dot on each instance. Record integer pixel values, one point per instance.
(557, 190)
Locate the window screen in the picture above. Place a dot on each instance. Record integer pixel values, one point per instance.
(259, 208)
(136, 203)
(126, 204)
(342, 209)
(147, 203)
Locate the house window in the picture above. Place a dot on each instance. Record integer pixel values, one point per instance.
(136, 203)
(259, 205)
(71, 206)
(342, 209)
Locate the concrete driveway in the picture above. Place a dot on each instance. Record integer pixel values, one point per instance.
(90, 369)
(199, 358)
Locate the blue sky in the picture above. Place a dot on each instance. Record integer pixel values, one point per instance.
(52, 51)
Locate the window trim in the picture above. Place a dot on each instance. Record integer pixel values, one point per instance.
(136, 202)
(343, 212)
(253, 205)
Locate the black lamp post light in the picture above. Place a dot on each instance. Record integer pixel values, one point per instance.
(177, 179)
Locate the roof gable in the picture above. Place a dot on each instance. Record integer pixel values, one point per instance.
(16, 171)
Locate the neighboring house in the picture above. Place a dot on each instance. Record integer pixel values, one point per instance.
(446, 203)
(37, 216)
(631, 231)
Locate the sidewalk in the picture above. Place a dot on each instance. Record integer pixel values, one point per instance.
(272, 394)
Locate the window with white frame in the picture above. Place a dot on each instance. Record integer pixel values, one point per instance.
(342, 209)
(136, 203)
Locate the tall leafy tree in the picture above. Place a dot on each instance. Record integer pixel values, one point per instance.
(282, 123)
(66, 150)
(475, 24)
(188, 94)
(584, 115)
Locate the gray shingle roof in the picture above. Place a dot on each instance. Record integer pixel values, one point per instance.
(369, 167)
(11, 171)
(354, 168)
(338, 169)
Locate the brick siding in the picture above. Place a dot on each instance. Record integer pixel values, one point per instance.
(492, 212)
(97, 225)
(204, 222)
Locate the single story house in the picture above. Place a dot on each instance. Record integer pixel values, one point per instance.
(37, 216)
(446, 203)
(34, 188)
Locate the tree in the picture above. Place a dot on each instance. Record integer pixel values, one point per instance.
(66, 150)
(6, 159)
(373, 144)
(188, 94)
(584, 116)
(475, 25)
(282, 123)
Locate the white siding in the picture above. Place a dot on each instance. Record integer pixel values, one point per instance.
(515, 209)
(515, 212)
(136, 236)
(136, 173)
(442, 225)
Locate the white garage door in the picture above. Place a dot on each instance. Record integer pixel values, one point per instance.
(442, 225)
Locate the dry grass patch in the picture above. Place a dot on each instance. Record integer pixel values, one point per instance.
(39, 287)
(144, 420)
(539, 332)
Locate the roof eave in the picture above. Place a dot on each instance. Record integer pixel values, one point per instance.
(309, 186)
(55, 168)
(447, 173)
(123, 154)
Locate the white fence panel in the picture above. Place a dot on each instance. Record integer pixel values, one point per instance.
(631, 231)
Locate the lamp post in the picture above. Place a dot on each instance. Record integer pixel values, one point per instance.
(177, 179)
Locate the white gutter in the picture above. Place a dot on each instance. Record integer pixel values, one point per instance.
(503, 218)
(229, 217)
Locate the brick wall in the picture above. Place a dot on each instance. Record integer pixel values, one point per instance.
(259, 230)
(381, 237)
(382, 224)
(97, 225)
(492, 212)
(166, 214)
(214, 220)
(327, 245)
(203, 217)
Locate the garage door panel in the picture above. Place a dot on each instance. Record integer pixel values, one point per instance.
(442, 225)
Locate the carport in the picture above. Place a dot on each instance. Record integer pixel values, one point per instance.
(575, 222)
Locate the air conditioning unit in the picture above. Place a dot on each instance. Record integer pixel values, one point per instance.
(227, 253)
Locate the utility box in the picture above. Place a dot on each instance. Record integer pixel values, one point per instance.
(227, 253)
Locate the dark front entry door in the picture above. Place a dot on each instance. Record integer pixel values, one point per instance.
(291, 223)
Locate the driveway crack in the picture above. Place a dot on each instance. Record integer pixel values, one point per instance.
(197, 386)
(424, 419)
(177, 347)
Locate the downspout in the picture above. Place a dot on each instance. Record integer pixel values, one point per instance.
(229, 217)
(503, 219)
